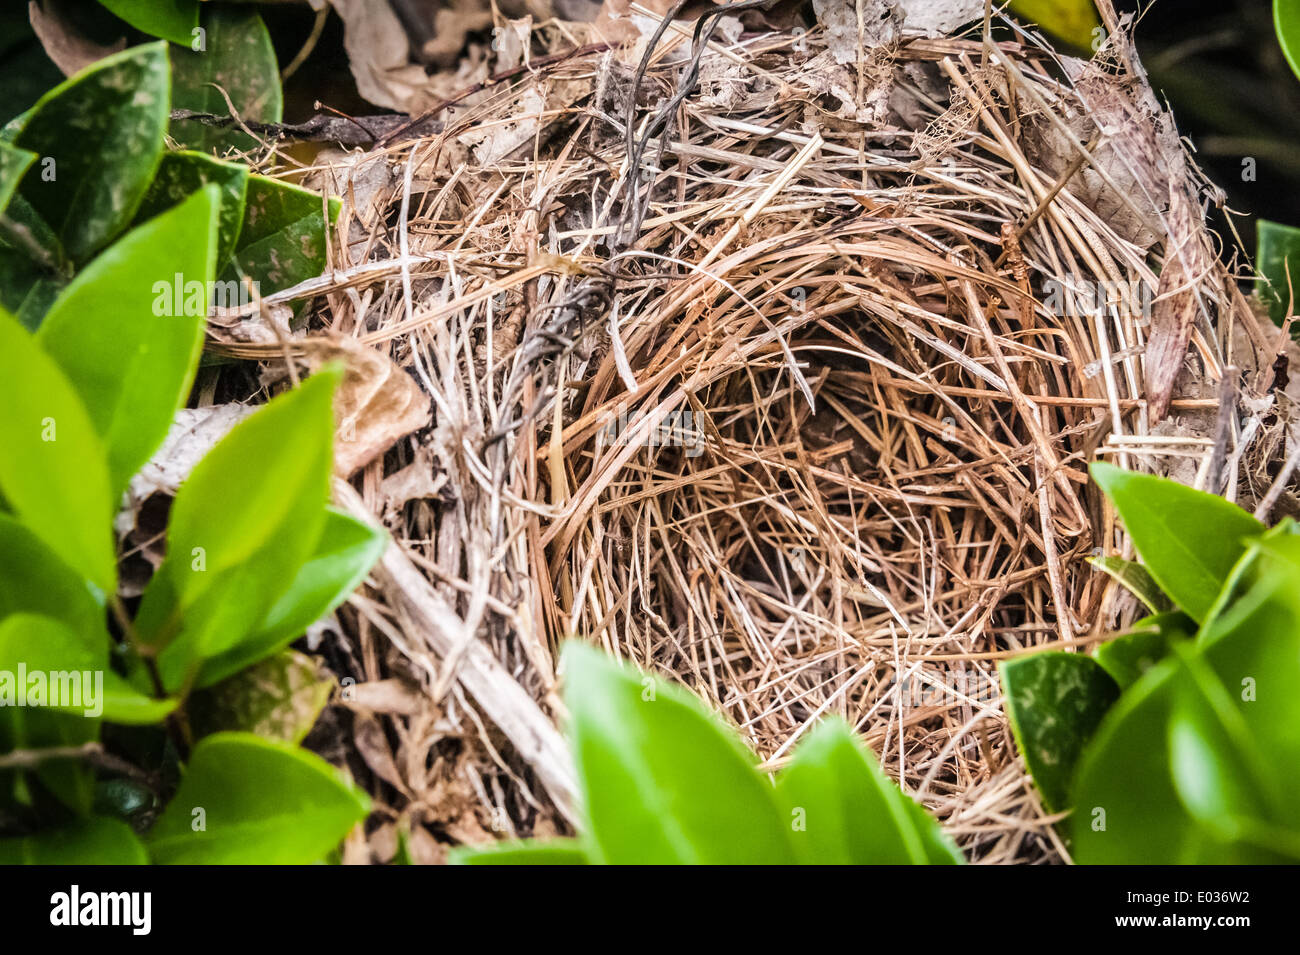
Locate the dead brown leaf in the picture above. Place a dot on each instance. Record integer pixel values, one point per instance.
(376, 405)
(371, 743)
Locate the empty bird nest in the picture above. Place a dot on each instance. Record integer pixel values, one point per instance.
(772, 362)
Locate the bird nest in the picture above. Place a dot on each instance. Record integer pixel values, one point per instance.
(776, 370)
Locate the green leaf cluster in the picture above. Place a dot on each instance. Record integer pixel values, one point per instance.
(1179, 741)
(196, 688)
(87, 163)
(664, 781)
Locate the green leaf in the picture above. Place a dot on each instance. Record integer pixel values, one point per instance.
(104, 129)
(238, 57)
(663, 780)
(1253, 647)
(1071, 20)
(26, 290)
(185, 172)
(70, 781)
(242, 526)
(843, 810)
(33, 266)
(1055, 701)
(33, 579)
(346, 551)
(1277, 258)
(173, 20)
(24, 231)
(1213, 782)
(1134, 578)
(283, 241)
(1188, 540)
(530, 852)
(86, 686)
(14, 164)
(1125, 807)
(279, 698)
(95, 841)
(1129, 656)
(53, 472)
(129, 329)
(1286, 21)
(259, 802)
(1145, 785)
(273, 206)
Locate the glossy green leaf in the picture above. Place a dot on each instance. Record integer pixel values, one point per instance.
(25, 232)
(532, 852)
(34, 579)
(279, 698)
(1277, 257)
(273, 206)
(1152, 781)
(70, 781)
(53, 472)
(1055, 702)
(1215, 785)
(242, 526)
(346, 551)
(33, 266)
(283, 241)
(86, 687)
(173, 20)
(280, 261)
(183, 173)
(1071, 20)
(843, 810)
(238, 57)
(1118, 820)
(247, 800)
(1258, 578)
(1253, 647)
(26, 290)
(1129, 656)
(1188, 540)
(1286, 22)
(95, 841)
(1196, 763)
(663, 780)
(104, 130)
(129, 329)
(14, 164)
(1134, 578)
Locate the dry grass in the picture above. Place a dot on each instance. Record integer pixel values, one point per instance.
(766, 398)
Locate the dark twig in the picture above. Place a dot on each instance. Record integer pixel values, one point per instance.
(92, 753)
(344, 130)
